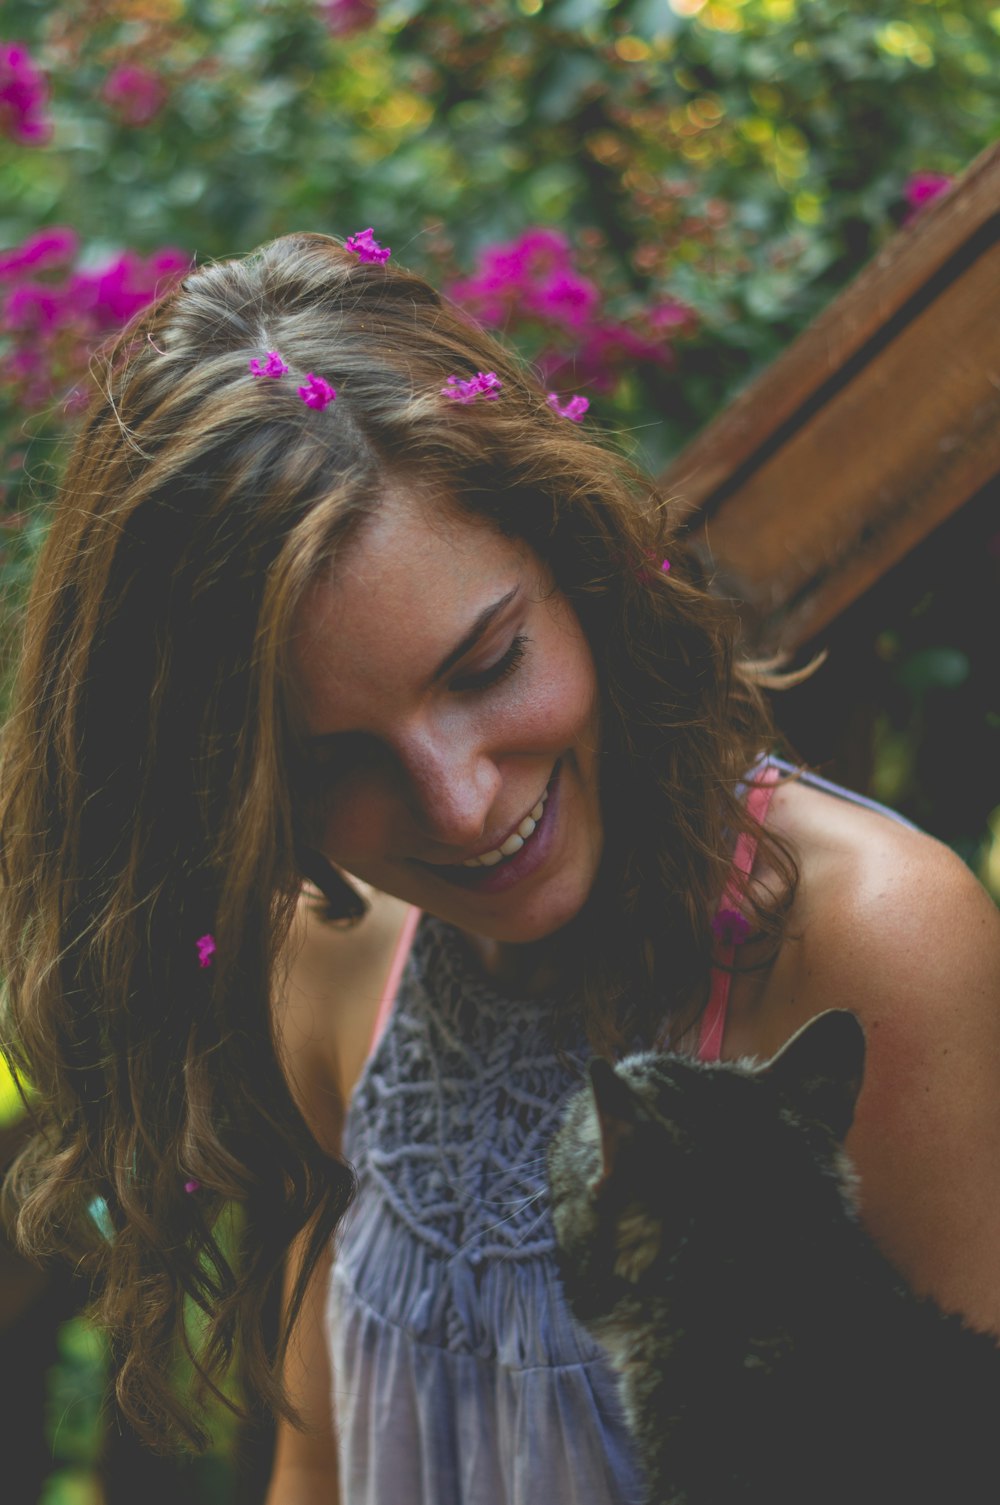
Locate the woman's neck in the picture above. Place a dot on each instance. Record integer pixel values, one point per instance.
(531, 968)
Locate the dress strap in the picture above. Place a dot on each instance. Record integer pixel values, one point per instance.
(713, 1020)
(401, 951)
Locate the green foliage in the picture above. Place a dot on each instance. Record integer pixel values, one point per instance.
(746, 160)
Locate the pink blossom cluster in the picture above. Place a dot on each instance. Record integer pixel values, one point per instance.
(573, 409)
(316, 392)
(273, 366)
(366, 248)
(347, 17)
(922, 188)
(135, 94)
(24, 94)
(206, 948)
(484, 384)
(534, 280)
(53, 311)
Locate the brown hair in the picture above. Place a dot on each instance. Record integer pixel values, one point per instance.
(151, 790)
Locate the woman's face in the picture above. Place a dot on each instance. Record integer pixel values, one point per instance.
(448, 693)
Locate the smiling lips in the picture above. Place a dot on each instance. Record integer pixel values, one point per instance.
(515, 841)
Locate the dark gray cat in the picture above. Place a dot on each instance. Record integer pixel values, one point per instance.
(767, 1351)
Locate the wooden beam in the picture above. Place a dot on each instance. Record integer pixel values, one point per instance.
(880, 421)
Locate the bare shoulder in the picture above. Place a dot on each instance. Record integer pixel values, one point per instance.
(883, 909)
(327, 996)
(892, 925)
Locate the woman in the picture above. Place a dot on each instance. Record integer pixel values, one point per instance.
(333, 589)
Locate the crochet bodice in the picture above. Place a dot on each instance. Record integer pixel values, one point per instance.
(445, 1303)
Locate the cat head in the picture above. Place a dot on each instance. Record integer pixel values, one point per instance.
(666, 1168)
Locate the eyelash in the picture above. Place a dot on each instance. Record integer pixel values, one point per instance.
(496, 673)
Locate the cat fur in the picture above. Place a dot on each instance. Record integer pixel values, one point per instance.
(706, 1217)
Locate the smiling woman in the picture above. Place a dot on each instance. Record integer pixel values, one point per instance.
(440, 742)
(334, 592)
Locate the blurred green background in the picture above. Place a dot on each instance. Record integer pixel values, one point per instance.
(650, 199)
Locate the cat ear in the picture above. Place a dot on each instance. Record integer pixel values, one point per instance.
(617, 1112)
(821, 1069)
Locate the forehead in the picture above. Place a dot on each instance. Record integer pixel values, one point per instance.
(401, 592)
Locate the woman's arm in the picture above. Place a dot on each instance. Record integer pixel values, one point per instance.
(325, 1015)
(892, 925)
(305, 1462)
(927, 1135)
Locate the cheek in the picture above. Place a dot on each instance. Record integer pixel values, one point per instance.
(570, 695)
(351, 826)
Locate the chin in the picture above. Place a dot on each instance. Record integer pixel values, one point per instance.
(539, 921)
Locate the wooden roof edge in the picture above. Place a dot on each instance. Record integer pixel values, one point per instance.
(880, 291)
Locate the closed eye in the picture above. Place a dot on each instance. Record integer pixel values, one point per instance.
(497, 672)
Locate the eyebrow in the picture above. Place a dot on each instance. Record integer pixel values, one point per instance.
(485, 619)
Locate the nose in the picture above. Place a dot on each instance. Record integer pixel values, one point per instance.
(450, 789)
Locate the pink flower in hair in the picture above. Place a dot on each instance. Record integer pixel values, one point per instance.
(643, 575)
(574, 409)
(192, 1186)
(273, 366)
(730, 927)
(316, 393)
(365, 247)
(484, 384)
(206, 950)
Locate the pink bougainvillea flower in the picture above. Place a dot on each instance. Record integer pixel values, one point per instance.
(316, 393)
(484, 384)
(365, 247)
(111, 294)
(573, 409)
(533, 272)
(730, 927)
(346, 17)
(644, 575)
(55, 313)
(32, 306)
(192, 1186)
(922, 187)
(564, 299)
(24, 93)
(49, 248)
(670, 317)
(135, 94)
(273, 366)
(608, 348)
(206, 950)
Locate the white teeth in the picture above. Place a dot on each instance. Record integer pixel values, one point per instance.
(514, 842)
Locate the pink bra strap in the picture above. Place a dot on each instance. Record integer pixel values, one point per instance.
(713, 1020)
(400, 952)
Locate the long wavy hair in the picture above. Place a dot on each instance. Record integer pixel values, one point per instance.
(152, 787)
